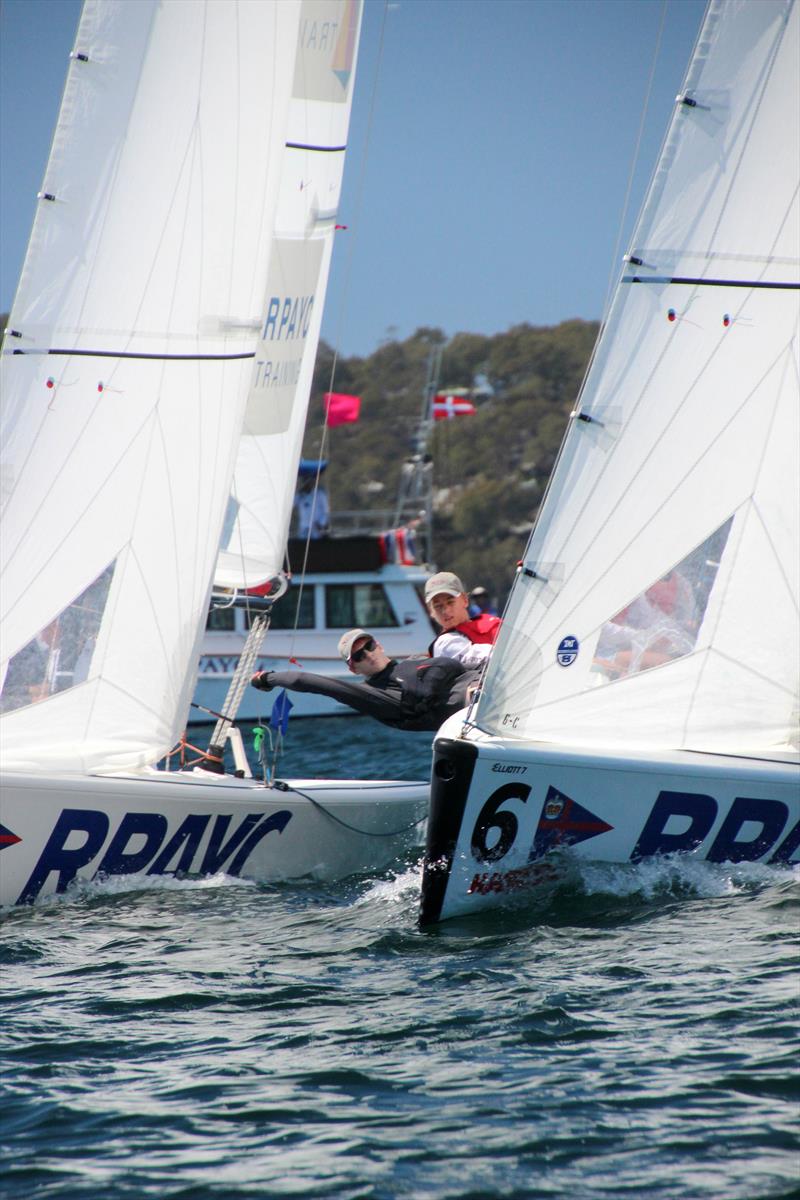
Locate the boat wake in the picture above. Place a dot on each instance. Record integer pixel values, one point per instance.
(576, 892)
(119, 885)
(678, 876)
(397, 889)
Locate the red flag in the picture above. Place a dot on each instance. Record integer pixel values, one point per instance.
(341, 409)
(447, 407)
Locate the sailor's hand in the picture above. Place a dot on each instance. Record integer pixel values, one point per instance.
(263, 680)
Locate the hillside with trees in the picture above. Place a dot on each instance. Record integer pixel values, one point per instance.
(489, 468)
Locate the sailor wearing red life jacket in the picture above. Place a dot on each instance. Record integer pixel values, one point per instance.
(469, 640)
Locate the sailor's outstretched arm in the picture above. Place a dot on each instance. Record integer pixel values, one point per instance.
(357, 695)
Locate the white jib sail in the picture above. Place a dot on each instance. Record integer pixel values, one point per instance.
(254, 541)
(658, 603)
(126, 369)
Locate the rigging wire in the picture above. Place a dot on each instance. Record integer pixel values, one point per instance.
(476, 706)
(614, 271)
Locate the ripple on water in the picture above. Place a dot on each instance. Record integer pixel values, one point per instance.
(629, 1033)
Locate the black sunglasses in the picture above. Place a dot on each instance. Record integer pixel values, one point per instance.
(365, 649)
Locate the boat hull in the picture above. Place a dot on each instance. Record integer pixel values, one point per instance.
(500, 808)
(58, 830)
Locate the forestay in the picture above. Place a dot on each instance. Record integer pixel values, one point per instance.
(658, 600)
(254, 540)
(127, 369)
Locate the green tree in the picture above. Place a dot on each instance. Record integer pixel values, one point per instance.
(491, 468)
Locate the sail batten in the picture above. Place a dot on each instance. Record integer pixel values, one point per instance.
(61, 352)
(702, 281)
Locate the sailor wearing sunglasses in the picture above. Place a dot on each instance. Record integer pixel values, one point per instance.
(418, 693)
(362, 653)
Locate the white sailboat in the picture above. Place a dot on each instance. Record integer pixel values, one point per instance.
(170, 298)
(642, 698)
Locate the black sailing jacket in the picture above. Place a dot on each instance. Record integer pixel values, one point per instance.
(419, 693)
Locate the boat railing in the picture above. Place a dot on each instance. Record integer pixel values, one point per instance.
(357, 522)
(361, 523)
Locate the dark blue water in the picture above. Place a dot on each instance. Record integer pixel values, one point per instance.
(630, 1034)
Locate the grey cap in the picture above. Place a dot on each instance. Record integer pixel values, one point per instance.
(347, 639)
(444, 583)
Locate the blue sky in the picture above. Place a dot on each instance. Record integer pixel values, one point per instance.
(491, 187)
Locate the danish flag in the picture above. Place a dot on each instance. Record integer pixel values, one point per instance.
(447, 407)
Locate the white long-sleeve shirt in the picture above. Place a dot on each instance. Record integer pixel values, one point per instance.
(458, 646)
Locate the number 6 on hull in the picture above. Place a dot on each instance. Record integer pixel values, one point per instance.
(486, 843)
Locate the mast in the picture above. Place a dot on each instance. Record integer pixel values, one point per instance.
(415, 491)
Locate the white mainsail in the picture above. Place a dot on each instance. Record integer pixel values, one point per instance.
(254, 540)
(659, 600)
(127, 366)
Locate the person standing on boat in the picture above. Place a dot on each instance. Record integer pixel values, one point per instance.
(415, 694)
(466, 639)
(480, 602)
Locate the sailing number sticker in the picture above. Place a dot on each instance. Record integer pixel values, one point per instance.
(503, 824)
(567, 651)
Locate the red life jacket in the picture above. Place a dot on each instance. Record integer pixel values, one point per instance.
(482, 629)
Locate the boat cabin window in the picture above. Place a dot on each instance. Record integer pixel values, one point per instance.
(221, 620)
(285, 609)
(350, 604)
